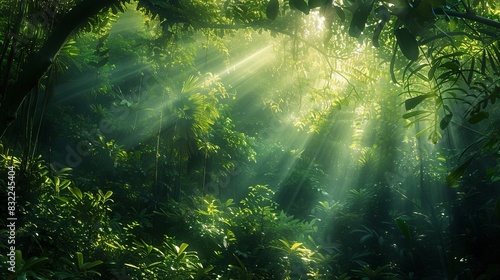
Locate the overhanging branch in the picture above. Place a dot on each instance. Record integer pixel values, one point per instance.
(469, 16)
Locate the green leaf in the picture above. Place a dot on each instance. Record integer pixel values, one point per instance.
(445, 121)
(391, 65)
(359, 18)
(33, 261)
(340, 13)
(458, 172)
(132, 266)
(430, 75)
(182, 248)
(404, 228)
(413, 102)
(79, 257)
(376, 33)
(295, 246)
(478, 117)
(453, 24)
(452, 65)
(415, 113)
(154, 264)
(300, 5)
(62, 198)
(317, 3)
(76, 192)
(407, 43)
(89, 265)
(272, 9)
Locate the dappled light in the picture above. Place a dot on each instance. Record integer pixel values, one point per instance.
(266, 139)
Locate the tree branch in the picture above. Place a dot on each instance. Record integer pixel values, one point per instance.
(469, 16)
(37, 64)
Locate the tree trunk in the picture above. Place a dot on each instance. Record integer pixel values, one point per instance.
(37, 64)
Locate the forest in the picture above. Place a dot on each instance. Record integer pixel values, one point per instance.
(250, 139)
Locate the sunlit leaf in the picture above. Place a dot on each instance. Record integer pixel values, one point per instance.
(76, 192)
(295, 246)
(407, 43)
(182, 248)
(453, 24)
(132, 266)
(79, 257)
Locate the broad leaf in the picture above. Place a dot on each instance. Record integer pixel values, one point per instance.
(359, 18)
(76, 192)
(317, 3)
(272, 9)
(407, 43)
(340, 13)
(445, 121)
(300, 5)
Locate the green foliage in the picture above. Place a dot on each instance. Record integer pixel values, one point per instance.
(272, 9)
(172, 108)
(78, 269)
